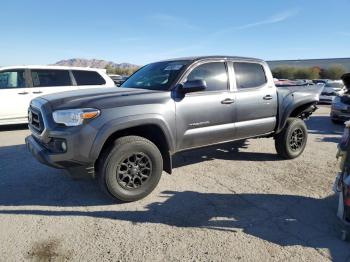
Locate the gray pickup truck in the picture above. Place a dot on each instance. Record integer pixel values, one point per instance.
(126, 136)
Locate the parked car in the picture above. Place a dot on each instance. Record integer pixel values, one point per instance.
(342, 183)
(335, 85)
(117, 79)
(320, 81)
(130, 133)
(340, 110)
(294, 83)
(285, 83)
(328, 94)
(20, 84)
(330, 90)
(304, 82)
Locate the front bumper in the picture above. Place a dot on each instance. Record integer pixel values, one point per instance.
(59, 160)
(58, 146)
(44, 156)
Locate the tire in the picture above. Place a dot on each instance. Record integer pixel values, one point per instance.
(291, 141)
(130, 169)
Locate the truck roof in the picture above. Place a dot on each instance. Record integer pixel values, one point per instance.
(197, 58)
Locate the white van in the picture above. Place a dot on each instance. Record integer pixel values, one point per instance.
(20, 84)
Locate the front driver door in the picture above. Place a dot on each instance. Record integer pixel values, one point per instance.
(206, 117)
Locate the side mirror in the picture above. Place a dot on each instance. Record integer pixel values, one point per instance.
(194, 86)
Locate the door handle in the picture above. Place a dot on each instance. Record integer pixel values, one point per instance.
(227, 101)
(267, 97)
(37, 92)
(23, 93)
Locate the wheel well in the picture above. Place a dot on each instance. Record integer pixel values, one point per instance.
(151, 132)
(304, 111)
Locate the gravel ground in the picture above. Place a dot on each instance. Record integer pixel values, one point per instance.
(226, 203)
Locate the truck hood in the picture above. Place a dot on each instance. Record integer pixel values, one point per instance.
(103, 97)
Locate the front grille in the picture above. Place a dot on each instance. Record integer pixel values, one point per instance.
(35, 119)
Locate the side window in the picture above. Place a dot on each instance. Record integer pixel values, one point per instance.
(214, 74)
(12, 79)
(249, 75)
(47, 78)
(84, 78)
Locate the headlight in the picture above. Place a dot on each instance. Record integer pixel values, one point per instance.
(74, 117)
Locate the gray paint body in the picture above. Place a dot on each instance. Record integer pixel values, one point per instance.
(193, 120)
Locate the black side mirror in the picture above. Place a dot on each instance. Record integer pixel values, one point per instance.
(194, 86)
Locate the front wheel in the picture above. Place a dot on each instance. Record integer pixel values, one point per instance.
(291, 142)
(130, 169)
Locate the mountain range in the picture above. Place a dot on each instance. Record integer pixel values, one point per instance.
(96, 63)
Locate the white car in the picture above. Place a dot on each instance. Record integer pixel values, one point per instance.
(20, 84)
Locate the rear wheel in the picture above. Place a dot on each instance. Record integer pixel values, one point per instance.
(130, 169)
(291, 142)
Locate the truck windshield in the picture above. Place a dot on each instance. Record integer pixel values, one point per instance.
(156, 76)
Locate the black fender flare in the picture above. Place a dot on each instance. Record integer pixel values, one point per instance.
(290, 106)
(121, 123)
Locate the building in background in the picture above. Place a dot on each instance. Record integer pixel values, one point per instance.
(325, 63)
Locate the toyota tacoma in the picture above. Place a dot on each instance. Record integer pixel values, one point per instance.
(126, 136)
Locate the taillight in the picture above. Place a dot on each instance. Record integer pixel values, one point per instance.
(347, 201)
(346, 191)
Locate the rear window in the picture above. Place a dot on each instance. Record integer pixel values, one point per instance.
(47, 78)
(85, 78)
(249, 75)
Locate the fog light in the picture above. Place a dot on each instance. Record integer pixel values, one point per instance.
(57, 145)
(64, 146)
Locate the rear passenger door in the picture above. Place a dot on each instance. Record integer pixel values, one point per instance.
(88, 79)
(48, 81)
(256, 100)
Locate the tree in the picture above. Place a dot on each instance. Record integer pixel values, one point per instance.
(110, 69)
(284, 72)
(119, 70)
(333, 72)
(315, 72)
(302, 73)
(307, 73)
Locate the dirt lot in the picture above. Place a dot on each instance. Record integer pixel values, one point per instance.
(230, 202)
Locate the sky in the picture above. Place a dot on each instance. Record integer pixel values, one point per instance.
(139, 32)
